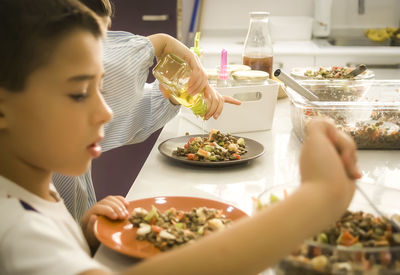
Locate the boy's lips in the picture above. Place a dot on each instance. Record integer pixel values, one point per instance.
(95, 148)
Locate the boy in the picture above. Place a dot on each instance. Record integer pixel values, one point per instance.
(137, 114)
(51, 119)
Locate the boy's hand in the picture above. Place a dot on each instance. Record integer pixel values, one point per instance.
(329, 156)
(215, 102)
(198, 82)
(113, 207)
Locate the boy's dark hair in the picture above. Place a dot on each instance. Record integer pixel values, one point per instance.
(30, 30)
(100, 7)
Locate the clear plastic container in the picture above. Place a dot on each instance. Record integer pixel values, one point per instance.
(173, 73)
(257, 51)
(373, 119)
(316, 258)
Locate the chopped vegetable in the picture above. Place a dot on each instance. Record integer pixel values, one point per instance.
(173, 228)
(217, 147)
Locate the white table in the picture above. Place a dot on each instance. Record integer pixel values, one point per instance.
(238, 184)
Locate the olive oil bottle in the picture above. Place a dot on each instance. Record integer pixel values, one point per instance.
(173, 73)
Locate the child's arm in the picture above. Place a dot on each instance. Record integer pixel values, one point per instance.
(328, 169)
(113, 207)
(198, 82)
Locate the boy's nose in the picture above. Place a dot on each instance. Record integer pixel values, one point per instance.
(103, 113)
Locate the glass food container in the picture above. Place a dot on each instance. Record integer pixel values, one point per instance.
(316, 257)
(371, 117)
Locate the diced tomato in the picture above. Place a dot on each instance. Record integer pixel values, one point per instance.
(186, 146)
(180, 216)
(156, 228)
(237, 156)
(219, 213)
(374, 135)
(191, 139)
(347, 239)
(191, 156)
(316, 251)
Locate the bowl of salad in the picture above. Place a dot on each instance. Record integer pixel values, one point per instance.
(360, 242)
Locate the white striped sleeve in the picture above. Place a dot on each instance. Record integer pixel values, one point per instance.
(138, 112)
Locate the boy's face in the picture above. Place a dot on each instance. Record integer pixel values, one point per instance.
(56, 123)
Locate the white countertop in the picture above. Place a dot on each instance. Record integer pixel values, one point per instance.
(212, 45)
(238, 184)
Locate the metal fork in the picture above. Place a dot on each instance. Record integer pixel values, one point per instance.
(395, 225)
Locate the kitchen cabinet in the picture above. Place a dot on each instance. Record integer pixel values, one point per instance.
(114, 171)
(146, 17)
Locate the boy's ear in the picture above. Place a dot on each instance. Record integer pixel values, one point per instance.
(3, 94)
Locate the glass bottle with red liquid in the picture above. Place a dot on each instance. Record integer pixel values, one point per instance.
(257, 51)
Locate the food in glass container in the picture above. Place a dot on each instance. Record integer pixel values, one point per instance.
(355, 230)
(375, 134)
(332, 72)
(216, 147)
(173, 228)
(373, 120)
(359, 243)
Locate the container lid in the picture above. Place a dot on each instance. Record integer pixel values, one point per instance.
(252, 75)
(212, 73)
(238, 67)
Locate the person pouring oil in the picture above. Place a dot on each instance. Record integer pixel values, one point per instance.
(257, 51)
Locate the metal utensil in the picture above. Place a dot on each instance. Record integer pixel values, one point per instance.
(358, 70)
(292, 83)
(395, 225)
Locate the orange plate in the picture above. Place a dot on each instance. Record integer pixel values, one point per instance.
(121, 235)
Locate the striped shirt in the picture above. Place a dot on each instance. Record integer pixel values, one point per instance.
(139, 109)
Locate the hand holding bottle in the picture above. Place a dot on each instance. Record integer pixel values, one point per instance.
(189, 86)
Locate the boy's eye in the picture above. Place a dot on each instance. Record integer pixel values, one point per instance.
(78, 97)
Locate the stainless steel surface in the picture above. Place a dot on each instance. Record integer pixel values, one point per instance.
(292, 83)
(355, 41)
(351, 37)
(395, 225)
